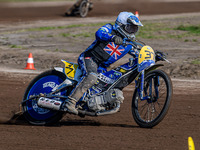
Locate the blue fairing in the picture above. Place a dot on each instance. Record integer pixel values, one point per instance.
(129, 67)
(111, 76)
(44, 85)
(145, 64)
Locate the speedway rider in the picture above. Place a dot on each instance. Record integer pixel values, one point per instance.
(105, 50)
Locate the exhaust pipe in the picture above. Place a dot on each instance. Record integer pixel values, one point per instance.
(108, 112)
(49, 103)
(56, 105)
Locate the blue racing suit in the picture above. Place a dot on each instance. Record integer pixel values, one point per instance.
(102, 52)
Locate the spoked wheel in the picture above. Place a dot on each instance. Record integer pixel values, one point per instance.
(83, 8)
(43, 83)
(158, 90)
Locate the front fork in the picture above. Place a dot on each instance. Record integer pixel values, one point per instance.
(143, 90)
(141, 86)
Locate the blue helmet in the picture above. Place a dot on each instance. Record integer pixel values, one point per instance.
(127, 24)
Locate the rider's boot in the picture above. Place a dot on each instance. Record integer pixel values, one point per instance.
(71, 106)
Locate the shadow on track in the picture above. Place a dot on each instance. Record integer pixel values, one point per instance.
(18, 119)
(93, 123)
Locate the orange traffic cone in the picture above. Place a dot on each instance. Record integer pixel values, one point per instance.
(137, 14)
(30, 63)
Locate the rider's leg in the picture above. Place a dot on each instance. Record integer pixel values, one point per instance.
(89, 68)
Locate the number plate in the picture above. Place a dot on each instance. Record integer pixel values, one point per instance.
(70, 69)
(146, 53)
(146, 58)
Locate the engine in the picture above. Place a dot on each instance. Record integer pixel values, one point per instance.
(105, 100)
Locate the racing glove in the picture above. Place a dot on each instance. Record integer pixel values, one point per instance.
(117, 40)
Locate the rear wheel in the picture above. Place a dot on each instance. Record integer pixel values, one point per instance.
(44, 83)
(158, 88)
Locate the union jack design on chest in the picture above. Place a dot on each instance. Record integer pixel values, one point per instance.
(114, 50)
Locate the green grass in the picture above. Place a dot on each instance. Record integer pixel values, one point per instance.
(59, 50)
(148, 31)
(191, 29)
(65, 34)
(163, 31)
(152, 30)
(41, 29)
(49, 35)
(61, 27)
(195, 62)
(82, 34)
(15, 46)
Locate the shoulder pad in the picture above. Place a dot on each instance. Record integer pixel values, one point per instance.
(108, 26)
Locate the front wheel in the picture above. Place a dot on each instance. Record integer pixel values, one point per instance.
(158, 88)
(43, 83)
(83, 8)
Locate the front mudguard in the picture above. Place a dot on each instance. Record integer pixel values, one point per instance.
(138, 78)
(153, 68)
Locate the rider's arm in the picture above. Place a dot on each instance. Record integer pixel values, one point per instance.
(132, 52)
(134, 48)
(104, 33)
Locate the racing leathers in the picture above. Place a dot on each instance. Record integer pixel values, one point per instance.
(101, 53)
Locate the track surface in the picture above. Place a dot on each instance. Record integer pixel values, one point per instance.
(28, 11)
(118, 131)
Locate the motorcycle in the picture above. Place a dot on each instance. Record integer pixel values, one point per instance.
(81, 9)
(45, 97)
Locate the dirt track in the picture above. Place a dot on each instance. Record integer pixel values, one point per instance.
(26, 11)
(117, 131)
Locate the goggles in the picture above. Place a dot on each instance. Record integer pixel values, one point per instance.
(131, 28)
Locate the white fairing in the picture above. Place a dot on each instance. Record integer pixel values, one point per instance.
(59, 69)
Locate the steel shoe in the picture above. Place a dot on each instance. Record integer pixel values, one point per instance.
(70, 105)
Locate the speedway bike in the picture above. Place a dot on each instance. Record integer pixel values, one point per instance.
(81, 9)
(45, 97)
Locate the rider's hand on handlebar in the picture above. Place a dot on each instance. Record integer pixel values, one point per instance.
(117, 40)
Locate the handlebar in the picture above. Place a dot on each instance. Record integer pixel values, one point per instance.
(135, 45)
(159, 55)
(127, 42)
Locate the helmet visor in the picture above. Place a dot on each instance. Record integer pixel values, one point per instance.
(131, 28)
